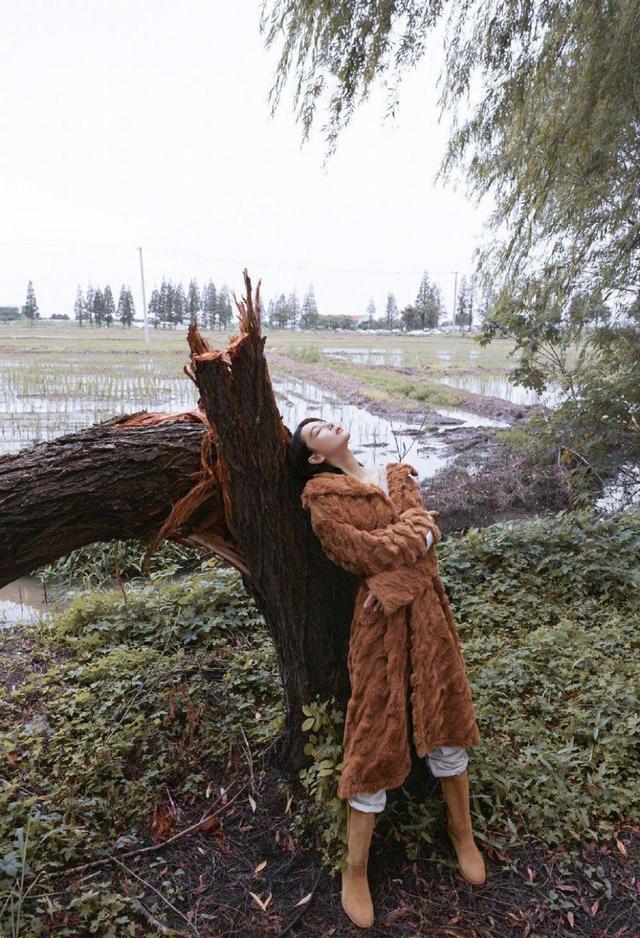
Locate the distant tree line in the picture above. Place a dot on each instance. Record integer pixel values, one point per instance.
(426, 312)
(97, 306)
(210, 308)
(286, 312)
(169, 306)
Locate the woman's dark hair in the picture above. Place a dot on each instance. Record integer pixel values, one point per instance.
(298, 454)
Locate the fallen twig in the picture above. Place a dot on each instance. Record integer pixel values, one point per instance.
(151, 847)
(158, 893)
(303, 909)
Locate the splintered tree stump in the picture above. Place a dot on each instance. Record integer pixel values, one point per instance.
(217, 478)
(306, 600)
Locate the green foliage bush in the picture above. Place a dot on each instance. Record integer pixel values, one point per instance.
(139, 693)
(97, 564)
(513, 578)
(128, 693)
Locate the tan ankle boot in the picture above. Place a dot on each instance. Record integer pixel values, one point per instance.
(356, 898)
(456, 793)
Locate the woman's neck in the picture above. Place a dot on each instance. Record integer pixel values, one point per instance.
(351, 467)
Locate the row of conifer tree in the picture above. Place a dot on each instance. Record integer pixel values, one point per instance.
(211, 307)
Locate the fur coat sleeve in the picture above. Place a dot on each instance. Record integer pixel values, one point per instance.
(399, 586)
(394, 559)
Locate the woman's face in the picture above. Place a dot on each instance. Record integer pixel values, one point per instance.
(325, 439)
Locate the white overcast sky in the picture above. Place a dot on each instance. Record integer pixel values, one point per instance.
(146, 122)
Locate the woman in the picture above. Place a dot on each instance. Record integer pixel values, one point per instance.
(405, 663)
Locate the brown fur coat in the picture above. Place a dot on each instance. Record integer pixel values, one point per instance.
(405, 662)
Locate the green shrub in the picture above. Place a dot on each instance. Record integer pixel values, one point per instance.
(139, 693)
(323, 815)
(97, 564)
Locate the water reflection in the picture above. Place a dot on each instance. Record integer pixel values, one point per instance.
(38, 415)
(500, 386)
(467, 419)
(392, 357)
(24, 600)
(374, 439)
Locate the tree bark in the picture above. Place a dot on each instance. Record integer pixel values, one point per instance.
(216, 477)
(106, 482)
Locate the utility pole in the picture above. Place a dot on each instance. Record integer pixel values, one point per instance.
(144, 300)
(455, 297)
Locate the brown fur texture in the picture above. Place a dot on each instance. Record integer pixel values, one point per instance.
(405, 662)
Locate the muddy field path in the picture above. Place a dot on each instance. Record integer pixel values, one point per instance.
(377, 400)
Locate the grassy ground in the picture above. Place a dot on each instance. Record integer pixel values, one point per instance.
(441, 353)
(138, 794)
(54, 337)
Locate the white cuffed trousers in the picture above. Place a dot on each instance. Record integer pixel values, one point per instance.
(444, 760)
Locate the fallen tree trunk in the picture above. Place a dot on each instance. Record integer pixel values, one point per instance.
(106, 482)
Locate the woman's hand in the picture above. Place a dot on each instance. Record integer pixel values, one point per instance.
(372, 602)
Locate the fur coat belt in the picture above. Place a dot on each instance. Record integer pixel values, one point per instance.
(407, 673)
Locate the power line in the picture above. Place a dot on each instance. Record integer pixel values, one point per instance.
(47, 244)
(326, 270)
(227, 260)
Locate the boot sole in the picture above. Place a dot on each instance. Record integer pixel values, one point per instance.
(359, 924)
(474, 882)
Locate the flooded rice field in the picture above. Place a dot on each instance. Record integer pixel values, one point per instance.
(500, 386)
(48, 389)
